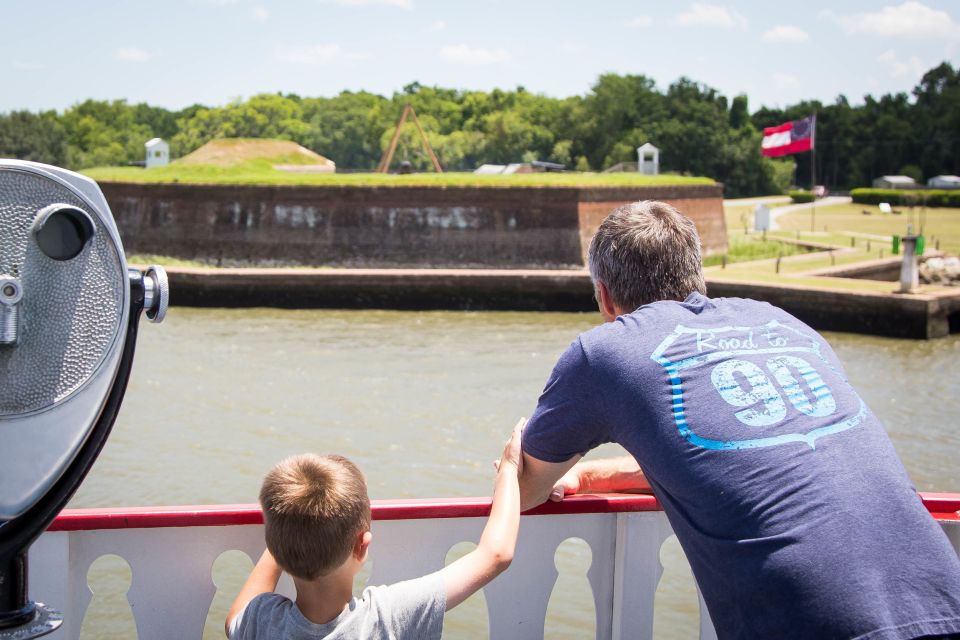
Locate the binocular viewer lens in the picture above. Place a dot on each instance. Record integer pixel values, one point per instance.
(62, 231)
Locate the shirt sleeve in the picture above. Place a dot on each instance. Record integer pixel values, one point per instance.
(234, 627)
(237, 629)
(568, 420)
(414, 608)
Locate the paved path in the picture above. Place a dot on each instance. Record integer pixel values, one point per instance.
(735, 202)
(776, 212)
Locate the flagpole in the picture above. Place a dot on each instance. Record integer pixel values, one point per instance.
(813, 174)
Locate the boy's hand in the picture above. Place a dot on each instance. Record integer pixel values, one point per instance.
(511, 452)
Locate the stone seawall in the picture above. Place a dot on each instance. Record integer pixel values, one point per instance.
(929, 315)
(348, 226)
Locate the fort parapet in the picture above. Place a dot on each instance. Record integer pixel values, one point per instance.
(375, 226)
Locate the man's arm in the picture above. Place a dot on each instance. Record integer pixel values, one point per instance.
(494, 553)
(263, 579)
(608, 475)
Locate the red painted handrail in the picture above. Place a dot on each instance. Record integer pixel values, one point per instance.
(410, 509)
(943, 506)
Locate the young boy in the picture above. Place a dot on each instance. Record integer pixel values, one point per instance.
(317, 524)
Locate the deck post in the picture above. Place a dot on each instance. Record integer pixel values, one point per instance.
(952, 529)
(707, 632)
(637, 572)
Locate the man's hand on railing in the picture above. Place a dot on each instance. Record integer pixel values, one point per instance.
(567, 485)
(608, 475)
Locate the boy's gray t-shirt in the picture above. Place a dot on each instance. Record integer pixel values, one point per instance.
(784, 490)
(412, 609)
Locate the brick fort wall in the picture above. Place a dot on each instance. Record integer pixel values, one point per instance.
(348, 226)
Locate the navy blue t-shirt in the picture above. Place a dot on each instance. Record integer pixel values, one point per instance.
(784, 490)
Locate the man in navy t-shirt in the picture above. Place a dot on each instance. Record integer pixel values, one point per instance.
(795, 513)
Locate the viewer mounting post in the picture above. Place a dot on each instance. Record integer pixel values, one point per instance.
(813, 173)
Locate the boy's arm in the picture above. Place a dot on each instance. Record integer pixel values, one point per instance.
(493, 555)
(540, 479)
(263, 579)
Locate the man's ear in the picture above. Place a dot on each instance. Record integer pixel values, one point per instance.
(362, 546)
(608, 309)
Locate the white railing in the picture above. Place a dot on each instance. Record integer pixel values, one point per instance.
(171, 552)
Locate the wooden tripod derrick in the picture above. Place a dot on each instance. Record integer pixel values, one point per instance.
(387, 157)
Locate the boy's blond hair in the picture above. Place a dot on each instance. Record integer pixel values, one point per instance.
(313, 509)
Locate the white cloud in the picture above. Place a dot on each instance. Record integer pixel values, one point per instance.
(908, 20)
(438, 25)
(474, 56)
(640, 22)
(222, 3)
(785, 81)
(260, 13)
(403, 4)
(310, 54)
(913, 68)
(28, 66)
(710, 15)
(572, 48)
(131, 54)
(786, 34)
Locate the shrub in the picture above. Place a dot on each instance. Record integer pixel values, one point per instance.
(908, 197)
(800, 196)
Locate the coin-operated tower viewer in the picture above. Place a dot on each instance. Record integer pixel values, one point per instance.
(69, 312)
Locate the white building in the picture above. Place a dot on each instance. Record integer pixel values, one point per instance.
(649, 167)
(894, 182)
(158, 153)
(944, 182)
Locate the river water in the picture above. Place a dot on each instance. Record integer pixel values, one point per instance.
(422, 402)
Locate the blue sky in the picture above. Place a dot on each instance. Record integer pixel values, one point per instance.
(178, 52)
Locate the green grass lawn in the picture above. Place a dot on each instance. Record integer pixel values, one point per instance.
(744, 245)
(262, 173)
(768, 277)
(833, 225)
(935, 223)
(738, 217)
(744, 248)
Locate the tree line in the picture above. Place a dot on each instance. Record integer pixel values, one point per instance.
(698, 130)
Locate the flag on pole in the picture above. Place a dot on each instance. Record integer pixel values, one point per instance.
(792, 137)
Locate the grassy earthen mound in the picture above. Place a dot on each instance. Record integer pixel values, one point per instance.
(233, 152)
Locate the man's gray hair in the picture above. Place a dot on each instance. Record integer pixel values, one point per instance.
(644, 252)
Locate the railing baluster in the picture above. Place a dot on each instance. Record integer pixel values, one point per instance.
(638, 571)
(952, 529)
(405, 549)
(529, 581)
(182, 560)
(707, 632)
(173, 587)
